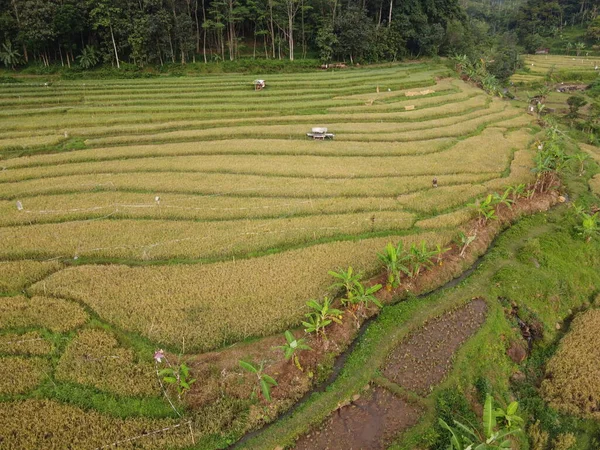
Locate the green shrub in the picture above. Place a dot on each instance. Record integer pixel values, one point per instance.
(9, 80)
(450, 404)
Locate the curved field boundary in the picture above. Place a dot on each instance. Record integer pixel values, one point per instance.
(374, 348)
(168, 221)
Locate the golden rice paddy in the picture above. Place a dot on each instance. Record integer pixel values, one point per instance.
(194, 213)
(537, 67)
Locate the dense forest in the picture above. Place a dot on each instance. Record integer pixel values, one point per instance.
(142, 32)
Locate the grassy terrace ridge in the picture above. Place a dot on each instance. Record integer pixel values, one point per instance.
(201, 223)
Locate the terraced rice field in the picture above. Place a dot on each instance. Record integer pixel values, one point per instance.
(194, 212)
(538, 66)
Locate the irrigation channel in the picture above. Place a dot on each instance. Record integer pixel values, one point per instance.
(343, 357)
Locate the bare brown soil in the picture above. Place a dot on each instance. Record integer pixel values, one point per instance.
(369, 423)
(425, 357)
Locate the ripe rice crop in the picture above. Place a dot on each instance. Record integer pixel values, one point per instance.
(237, 146)
(591, 150)
(352, 131)
(572, 383)
(520, 172)
(440, 199)
(152, 239)
(452, 219)
(473, 159)
(245, 185)
(520, 122)
(16, 275)
(19, 375)
(52, 313)
(541, 63)
(94, 358)
(48, 424)
(30, 343)
(33, 141)
(538, 66)
(400, 103)
(208, 304)
(100, 129)
(81, 206)
(463, 128)
(68, 122)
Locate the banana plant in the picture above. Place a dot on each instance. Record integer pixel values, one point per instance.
(394, 260)
(590, 226)
(363, 295)
(461, 62)
(420, 258)
(581, 159)
(264, 381)
(503, 199)
(485, 209)
(439, 251)
(347, 281)
(463, 437)
(509, 417)
(516, 191)
(175, 374)
(320, 316)
(292, 347)
(314, 324)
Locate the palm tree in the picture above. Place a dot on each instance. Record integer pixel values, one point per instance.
(569, 47)
(579, 47)
(88, 58)
(9, 55)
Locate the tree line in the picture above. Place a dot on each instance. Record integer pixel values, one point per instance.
(180, 31)
(157, 32)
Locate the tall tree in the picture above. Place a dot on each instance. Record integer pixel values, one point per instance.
(105, 15)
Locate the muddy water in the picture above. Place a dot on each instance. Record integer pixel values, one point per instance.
(423, 360)
(370, 422)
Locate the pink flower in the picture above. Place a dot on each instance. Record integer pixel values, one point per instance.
(159, 355)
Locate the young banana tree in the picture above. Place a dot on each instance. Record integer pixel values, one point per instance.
(347, 280)
(463, 437)
(464, 241)
(394, 260)
(421, 258)
(590, 226)
(485, 209)
(320, 316)
(292, 347)
(364, 295)
(264, 381)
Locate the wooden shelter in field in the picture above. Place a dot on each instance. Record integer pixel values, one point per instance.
(320, 134)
